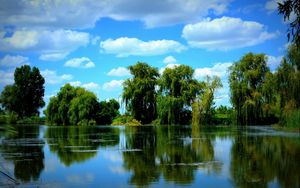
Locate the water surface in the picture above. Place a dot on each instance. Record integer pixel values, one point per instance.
(148, 156)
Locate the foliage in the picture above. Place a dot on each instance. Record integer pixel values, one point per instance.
(108, 111)
(77, 106)
(25, 96)
(288, 82)
(126, 120)
(177, 92)
(249, 81)
(291, 10)
(203, 107)
(139, 92)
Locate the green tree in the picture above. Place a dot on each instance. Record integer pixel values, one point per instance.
(139, 92)
(288, 82)
(247, 78)
(25, 96)
(289, 8)
(108, 111)
(203, 107)
(72, 106)
(177, 91)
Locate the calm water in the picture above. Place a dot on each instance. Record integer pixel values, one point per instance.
(151, 156)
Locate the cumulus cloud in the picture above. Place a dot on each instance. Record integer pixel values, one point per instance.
(219, 69)
(53, 45)
(6, 77)
(169, 59)
(91, 86)
(225, 33)
(13, 61)
(51, 77)
(125, 46)
(83, 62)
(120, 71)
(112, 85)
(84, 14)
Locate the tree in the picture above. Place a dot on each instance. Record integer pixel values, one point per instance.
(288, 85)
(246, 79)
(25, 96)
(108, 111)
(177, 91)
(139, 92)
(72, 105)
(291, 10)
(203, 107)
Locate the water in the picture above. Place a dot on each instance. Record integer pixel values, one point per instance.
(152, 156)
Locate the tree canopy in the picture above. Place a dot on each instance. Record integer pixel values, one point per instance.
(177, 90)
(25, 96)
(139, 92)
(77, 106)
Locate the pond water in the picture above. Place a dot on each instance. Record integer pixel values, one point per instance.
(151, 156)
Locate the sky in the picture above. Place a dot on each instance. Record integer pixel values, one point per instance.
(91, 43)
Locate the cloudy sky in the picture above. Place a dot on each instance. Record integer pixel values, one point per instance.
(90, 43)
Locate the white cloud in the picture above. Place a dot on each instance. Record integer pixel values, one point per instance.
(6, 77)
(225, 33)
(85, 14)
(75, 83)
(53, 45)
(125, 46)
(272, 5)
(91, 86)
(13, 61)
(51, 77)
(219, 69)
(82, 62)
(273, 62)
(120, 71)
(170, 59)
(170, 66)
(112, 85)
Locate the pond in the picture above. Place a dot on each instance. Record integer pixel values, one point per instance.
(148, 156)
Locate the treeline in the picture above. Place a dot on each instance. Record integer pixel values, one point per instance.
(169, 98)
(259, 96)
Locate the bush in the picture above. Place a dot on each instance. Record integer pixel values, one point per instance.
(292, 119)
(126, 120)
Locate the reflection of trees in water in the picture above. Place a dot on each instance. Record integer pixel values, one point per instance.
(22, 146)
(141, 163)
(256, 161)
(77, 144)
(166, 151)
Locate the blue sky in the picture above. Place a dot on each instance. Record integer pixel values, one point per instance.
(90, 43)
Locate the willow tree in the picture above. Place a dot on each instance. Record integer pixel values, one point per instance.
(139, 92)
(246, 79)
(72, 105)
(291, 13)
(203, 106)
(177, 92)
(288, 82)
